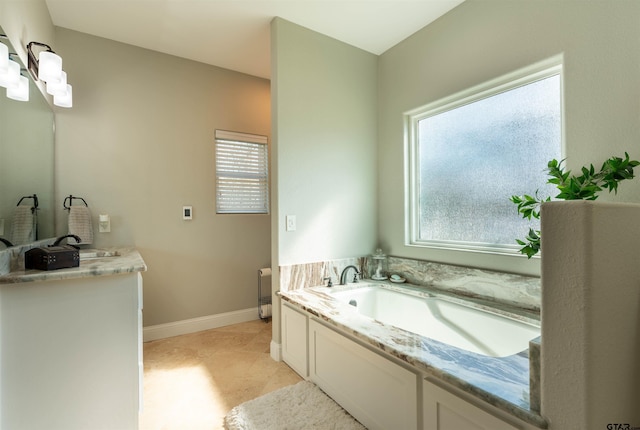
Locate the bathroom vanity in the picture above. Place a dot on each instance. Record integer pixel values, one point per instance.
(71, 345)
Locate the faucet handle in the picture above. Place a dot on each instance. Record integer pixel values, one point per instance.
(355, 276)
(329, 283)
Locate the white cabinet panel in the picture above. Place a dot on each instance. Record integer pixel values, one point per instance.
(377, 392)
(443, 410)
(71, 354)
(294, 339)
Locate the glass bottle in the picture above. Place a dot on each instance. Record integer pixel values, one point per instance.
(378, 266)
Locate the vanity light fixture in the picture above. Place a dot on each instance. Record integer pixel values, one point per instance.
(10, 77)
(47, 67)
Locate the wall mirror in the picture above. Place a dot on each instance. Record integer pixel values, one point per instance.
(26, 159)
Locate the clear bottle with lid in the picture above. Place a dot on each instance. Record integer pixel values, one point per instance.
(378, 266)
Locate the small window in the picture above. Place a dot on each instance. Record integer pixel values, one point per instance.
(242, 173)
(469, 153)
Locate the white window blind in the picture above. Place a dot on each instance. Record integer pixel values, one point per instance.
(242, 173)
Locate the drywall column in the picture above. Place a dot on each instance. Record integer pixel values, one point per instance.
(324, 154)
(590, 314)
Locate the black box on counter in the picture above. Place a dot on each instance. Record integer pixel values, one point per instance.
(52, 257)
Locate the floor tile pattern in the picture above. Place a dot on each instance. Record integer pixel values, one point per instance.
(192, 381)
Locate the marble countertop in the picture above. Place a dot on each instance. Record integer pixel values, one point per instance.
(499, 381)
(93, 262)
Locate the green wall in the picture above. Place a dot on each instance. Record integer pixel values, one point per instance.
(324, 121)
(481, 40)
(324, 106)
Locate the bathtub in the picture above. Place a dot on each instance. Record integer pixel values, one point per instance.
(473, 329)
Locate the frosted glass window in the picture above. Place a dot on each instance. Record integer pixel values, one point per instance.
(471, 156)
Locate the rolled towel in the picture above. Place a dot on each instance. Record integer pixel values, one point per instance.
(80, 224)
(23, 227)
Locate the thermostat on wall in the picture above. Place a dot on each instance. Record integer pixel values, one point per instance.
(187, 212)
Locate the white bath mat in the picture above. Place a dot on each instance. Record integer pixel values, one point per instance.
(297, 407)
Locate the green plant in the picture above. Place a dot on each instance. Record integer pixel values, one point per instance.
(585, 186)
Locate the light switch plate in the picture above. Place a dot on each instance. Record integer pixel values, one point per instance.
(104, 223)
(187, 212)
(290, 223)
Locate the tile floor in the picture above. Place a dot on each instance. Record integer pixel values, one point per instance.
(192, 381)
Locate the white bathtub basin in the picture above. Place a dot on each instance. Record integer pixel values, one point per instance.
(464, 327)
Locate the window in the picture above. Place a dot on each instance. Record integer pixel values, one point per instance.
(469, 153)
(242, 173)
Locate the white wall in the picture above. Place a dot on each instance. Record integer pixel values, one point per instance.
(138, 145)
(481, 40)
(324, 102)
(590, 314)
(324, 117)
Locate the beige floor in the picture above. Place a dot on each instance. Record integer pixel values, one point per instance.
(192, 381)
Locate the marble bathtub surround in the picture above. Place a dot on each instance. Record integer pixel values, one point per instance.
(124, 260)
(508, 288)
(535, 393)
(500, 381)
(495, 287)
(299, 276)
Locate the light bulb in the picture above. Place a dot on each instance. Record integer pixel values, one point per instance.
(50, 67)
(11, 77)
(64, 100)
(21, 91)
(58, 88)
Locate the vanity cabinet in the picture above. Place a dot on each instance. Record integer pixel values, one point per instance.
(443, 410)
(72, 353)
(294, 339)
(377, 392)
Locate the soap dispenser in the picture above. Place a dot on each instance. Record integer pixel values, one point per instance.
(378, 266)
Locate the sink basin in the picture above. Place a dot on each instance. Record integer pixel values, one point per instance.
(88, 254)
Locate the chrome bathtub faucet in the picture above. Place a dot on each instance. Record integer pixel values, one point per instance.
(343, 275)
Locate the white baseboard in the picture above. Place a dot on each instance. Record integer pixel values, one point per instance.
(275, 350)
(193, 325)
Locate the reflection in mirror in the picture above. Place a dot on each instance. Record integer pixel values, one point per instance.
(26, 165)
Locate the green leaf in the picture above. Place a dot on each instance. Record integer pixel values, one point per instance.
(571, 187)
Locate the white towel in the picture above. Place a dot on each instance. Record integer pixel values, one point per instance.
(23, 227)
(80, 224)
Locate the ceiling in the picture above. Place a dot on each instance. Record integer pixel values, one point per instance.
(234, 34)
